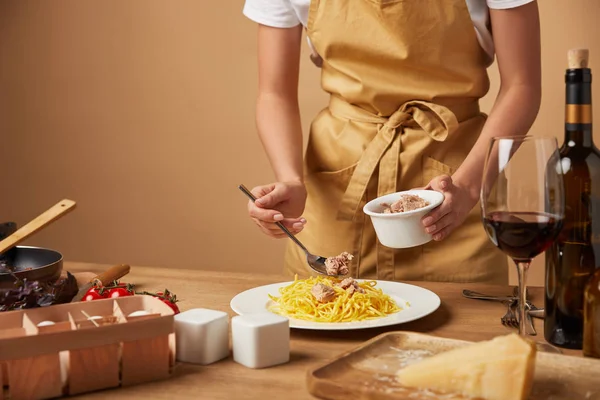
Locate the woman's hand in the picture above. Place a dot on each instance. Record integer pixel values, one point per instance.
(457, 204)
(278, 202)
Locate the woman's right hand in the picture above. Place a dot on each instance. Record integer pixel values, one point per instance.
(278, 202)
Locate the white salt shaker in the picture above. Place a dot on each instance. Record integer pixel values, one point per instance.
(260, 340)
(202, 336)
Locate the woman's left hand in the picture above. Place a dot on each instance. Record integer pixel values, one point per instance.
(457, 204)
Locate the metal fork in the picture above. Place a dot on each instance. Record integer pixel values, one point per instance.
(534, 311)
(509, 319)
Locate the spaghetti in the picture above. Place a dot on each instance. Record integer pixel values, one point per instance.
(366, 302)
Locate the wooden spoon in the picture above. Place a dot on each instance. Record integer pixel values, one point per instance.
(52, 214)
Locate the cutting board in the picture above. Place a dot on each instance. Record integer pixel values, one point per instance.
(368, 371)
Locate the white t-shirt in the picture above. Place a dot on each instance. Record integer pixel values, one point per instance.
(289, 13)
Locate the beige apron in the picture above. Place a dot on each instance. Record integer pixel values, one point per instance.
(405, 77)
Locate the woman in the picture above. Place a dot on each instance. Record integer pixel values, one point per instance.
(405, 77)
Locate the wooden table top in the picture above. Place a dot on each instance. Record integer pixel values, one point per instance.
(457, 318)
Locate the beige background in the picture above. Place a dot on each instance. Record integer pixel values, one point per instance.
(142, 112)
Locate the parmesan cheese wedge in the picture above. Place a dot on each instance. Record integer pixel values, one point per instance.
(497, 369)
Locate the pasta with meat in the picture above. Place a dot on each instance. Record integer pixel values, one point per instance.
(329, 299)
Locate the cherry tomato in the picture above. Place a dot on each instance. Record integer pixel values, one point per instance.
(118, 292)
(118, 289)
(167, 297)
(94, 293)
(170, 300)
(113, 290)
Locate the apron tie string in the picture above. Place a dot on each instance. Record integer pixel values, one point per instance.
(384, 150)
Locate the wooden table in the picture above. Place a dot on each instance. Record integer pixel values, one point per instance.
(457, 317)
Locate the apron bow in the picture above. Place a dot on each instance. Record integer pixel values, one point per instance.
(384, 150)
(397, 119)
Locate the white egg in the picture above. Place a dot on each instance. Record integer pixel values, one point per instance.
(45, 323)
(139, 313)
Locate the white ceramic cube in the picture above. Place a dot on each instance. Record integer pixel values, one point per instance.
(202, 336)
(260, 340)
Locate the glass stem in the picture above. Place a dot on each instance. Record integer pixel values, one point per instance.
(522, 268)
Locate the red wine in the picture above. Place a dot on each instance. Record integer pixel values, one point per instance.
(522, 235)
(575, 255)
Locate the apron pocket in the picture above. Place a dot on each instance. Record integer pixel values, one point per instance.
(331, 184)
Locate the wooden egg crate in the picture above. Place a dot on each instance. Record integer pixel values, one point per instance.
(90, 346)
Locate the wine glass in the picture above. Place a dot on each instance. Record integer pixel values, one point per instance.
(523, 202)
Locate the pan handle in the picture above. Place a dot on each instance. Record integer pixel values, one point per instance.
(112, 274)
(48, 216)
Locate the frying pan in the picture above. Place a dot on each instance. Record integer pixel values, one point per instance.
(29, 262)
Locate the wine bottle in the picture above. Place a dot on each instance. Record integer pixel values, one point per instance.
(575, 254)
(591, 317)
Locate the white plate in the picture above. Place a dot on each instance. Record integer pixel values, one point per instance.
(416, 302)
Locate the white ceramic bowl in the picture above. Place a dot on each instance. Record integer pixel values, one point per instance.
(401, 230)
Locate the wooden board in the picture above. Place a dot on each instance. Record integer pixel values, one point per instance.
(368, 372)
